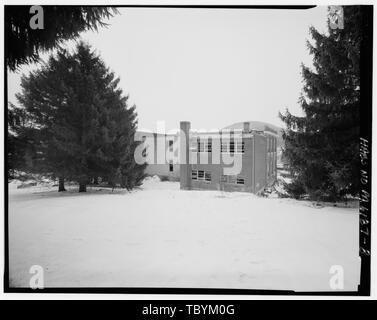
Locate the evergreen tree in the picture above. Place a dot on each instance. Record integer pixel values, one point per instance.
(322, 147)
(24, 44)
(17, 141)
(78, 122)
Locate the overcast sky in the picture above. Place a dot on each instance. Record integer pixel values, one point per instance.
(212, 67)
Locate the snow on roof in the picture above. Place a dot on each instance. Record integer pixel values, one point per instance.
(173, 131)
(255, 125)
(144, 130)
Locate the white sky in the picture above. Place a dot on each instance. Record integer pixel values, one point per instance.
(212, 67)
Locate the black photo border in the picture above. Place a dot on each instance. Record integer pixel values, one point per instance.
(366, 63)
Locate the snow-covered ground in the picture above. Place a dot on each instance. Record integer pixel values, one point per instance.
(160, 236)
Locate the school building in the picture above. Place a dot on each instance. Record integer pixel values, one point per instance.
(236, 158)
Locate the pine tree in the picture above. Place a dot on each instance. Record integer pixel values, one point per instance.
(81, 124)
(24, 44)
(322, 146)
(18, 143)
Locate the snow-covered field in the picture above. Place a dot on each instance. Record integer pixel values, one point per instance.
(160, 236)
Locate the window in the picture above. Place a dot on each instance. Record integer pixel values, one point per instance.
(171, 168)
(208, 146)
(231, 147)
(240, 180)
(224, 147)
(232, 179)
(171, 145)
(194, 146)
(240, 147)
(201, 175)
(204, 146)
(200, 146)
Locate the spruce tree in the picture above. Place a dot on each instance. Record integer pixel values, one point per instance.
(81, 124)
(322, 146)
(24, 44)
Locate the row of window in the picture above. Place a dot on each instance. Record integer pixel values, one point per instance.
(202, 146)
(233, 147)
(233, 179)
(226, 147)
(201, 175)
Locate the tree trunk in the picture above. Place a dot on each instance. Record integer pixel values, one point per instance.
(61, 184)
(82, 187)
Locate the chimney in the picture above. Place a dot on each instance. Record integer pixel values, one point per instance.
(184, 151)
